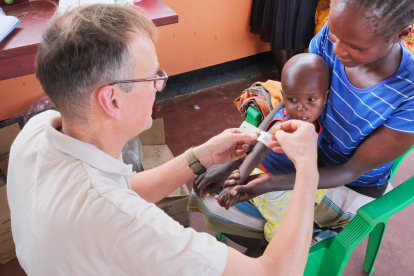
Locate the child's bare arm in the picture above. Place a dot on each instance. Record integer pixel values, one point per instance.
(258, 154)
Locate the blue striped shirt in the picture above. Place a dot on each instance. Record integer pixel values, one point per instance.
(351, 114)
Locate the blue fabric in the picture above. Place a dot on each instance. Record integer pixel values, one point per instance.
(279, 163)
(351, 114)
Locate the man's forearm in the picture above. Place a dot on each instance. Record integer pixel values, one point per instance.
(291, 243)
(155, 184)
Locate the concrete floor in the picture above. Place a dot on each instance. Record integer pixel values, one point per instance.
(186, 127)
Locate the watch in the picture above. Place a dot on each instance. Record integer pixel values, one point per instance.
(193, 162)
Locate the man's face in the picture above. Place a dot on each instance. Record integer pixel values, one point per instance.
(138, 103)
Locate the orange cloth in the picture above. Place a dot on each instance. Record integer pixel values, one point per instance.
(272, 87)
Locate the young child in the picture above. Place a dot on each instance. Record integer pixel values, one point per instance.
(305, 86)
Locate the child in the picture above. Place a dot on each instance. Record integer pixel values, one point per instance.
(305, 86)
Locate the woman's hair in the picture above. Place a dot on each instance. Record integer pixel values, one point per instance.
(85, 48)
(388, 17)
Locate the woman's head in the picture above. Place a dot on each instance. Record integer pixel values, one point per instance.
(365, 30)
(305, 86)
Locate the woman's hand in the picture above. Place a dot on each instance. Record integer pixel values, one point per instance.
(225, 147)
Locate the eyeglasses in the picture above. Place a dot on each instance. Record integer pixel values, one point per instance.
(160, 79)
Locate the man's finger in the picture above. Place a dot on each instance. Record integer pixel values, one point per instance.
(275, 144)
(241, 137)
(240, 153)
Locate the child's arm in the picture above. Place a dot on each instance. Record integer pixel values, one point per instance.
(220, 173)
(258, 154)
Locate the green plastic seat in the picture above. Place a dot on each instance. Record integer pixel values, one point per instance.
(330, 256)
(253, 116)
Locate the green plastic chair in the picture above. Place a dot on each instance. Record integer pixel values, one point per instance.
(330, 256)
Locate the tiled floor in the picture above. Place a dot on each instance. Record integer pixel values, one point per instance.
(186, 126)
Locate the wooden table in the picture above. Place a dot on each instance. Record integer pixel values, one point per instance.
(18, 49)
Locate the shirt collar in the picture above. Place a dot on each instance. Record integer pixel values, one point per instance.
(86, 152)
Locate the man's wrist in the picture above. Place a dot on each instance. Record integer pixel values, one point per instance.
(203, 155)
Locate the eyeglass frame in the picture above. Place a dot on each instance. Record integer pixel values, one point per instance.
(165, 78)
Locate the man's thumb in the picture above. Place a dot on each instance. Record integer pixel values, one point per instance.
(280, 135)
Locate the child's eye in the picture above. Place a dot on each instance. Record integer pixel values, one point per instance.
(311, 99)
(293, 100)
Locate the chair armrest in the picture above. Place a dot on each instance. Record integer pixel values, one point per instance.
(390, 203)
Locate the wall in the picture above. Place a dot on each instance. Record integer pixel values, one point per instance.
(208, 33)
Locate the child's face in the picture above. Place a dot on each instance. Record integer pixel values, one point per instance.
(304, 104)
(355, 41)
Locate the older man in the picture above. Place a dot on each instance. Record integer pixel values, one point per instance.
(77, 209)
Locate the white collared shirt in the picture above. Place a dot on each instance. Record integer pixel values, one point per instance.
(73, 213)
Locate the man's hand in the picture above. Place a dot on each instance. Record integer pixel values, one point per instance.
(225, 147)
(297, 139)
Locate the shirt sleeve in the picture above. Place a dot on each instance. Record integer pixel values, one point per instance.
(154, 244)
(403, 118)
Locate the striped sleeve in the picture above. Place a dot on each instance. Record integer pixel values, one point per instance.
(403, 118)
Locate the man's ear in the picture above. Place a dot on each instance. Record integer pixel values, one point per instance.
(326, 97)
(403, 34)
(109, 102)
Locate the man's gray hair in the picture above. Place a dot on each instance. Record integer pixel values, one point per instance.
(85, 48)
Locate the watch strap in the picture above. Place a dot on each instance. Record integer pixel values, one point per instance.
(193, 162)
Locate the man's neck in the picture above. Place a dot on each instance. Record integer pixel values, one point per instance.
(101, 137)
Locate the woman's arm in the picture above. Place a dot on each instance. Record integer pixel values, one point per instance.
(381, 147)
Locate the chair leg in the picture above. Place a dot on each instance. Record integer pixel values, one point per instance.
(374, 245)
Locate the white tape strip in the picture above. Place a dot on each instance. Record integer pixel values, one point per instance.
(264, 137)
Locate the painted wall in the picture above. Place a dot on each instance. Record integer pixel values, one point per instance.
(208, 33)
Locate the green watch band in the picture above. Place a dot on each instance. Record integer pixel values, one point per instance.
(193, 162)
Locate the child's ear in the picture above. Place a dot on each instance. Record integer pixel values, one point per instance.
(403, 34)
(326, 97)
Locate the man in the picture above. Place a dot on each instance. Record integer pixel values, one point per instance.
(77, 209)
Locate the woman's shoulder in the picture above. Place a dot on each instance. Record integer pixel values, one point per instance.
(408, 69)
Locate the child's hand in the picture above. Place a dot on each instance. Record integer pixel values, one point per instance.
(212, 179)
(225, 199)
(255, 185)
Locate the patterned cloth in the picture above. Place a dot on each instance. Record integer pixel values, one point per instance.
(274, 209)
